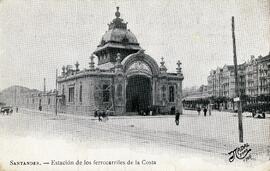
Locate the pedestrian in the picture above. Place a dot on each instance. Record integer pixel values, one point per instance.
(177, 116)
(150, 110)
(210, 109)
(205, 111)
(199, 110)
(40, 108)
(99, 113)
(96, 113)
(173, 110)
(106, 114)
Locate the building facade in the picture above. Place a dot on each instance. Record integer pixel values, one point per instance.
(264, 75)
(125, 79)
(254, 80)
(252, 77)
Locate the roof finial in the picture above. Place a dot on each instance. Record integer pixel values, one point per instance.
(77, 66)
(162, 66)
(92, 63)
(118, 59)
(178, 69)
(118, 65)
(117, 13)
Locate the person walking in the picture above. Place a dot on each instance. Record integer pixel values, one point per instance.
(210, 109)
(106, 115)
(100, 113)
(199, 110)
(205, 111)
(40, 108)
(177, 116)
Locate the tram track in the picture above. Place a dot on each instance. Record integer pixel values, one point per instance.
(181, 141)
(87, 129)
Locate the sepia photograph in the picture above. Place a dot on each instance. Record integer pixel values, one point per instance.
(124, 85)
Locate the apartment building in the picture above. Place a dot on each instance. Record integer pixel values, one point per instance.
(264, 75)
(253, 77)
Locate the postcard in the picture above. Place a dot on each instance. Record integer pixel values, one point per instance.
(176, 85)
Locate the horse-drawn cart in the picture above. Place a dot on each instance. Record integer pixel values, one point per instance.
(6, 110)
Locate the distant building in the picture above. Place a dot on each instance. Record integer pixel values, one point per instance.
(242, 79)
(228, 81)
(196, 97)
(264, 75)
(252, 77)
(254, 80)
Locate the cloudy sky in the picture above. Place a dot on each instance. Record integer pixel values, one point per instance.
(37, 36)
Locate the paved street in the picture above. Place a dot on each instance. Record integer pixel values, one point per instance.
(212, 136)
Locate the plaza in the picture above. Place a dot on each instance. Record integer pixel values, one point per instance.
(214, 135)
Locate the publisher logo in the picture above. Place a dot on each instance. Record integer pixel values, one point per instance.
(240, 153)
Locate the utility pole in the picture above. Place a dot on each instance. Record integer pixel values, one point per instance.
(56, 92)
(15, 100)
(237, 93)
(44, 85)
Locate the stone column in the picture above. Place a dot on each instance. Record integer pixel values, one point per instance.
(179, 104)
(154, 80)
(125, 93)
(120, 80)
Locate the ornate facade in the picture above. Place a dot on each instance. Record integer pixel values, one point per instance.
(125, 79)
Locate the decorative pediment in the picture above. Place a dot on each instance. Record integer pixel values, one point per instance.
(139, 67)
(140, 62)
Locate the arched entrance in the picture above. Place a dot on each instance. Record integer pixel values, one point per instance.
(138, 93)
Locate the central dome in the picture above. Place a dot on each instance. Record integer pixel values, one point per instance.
(117, 39)
(118, 33)
(119, 36)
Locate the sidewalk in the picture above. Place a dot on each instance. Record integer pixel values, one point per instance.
(95, 118)
(185, 113)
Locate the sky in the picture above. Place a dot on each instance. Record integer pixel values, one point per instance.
(39, 36)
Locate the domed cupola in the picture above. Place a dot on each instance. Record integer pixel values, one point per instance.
(117, 39)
